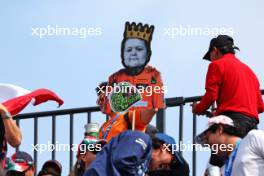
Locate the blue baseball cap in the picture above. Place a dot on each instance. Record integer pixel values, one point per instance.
(126, 154)
(165, 138)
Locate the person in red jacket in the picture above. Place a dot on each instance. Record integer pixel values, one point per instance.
(233, 85)
(135, 54)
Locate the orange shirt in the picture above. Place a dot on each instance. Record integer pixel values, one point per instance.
(149, 84)
(120, 123)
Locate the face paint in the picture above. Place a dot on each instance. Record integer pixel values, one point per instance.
(135, 53)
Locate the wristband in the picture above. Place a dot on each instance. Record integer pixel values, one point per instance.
(7, 115)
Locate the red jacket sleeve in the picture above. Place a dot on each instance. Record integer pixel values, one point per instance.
(213, 82)
(260, 102)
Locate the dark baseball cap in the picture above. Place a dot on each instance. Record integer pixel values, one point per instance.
(221, 41)
(165, 138)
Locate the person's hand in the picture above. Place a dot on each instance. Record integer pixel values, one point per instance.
(193, 107)
(206, 173)
(194, 104)
(211, 113)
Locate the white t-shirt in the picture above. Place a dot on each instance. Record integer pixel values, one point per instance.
(249, 160)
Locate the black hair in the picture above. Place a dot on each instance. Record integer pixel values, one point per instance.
(161, 172)
(176, 168)
(78, 168)
(147, 44)
(49, 171)
(227, 49)
(101, 86)
(151, 130)
(227, 129)
(50, 168)
(157, 143)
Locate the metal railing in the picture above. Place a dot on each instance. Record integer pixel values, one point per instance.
(160, 123)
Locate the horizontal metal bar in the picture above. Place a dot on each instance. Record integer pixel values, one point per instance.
(58, 112)
(192, 99)
(170, 102)
(177, 101)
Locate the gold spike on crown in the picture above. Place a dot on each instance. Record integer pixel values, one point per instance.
(134, 30)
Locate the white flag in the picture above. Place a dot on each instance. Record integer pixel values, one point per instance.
(8, 91)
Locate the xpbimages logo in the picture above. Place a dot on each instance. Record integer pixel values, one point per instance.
(148, 90)
(59, 147)
(215, 148)
(80, 32)
(192, 31)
